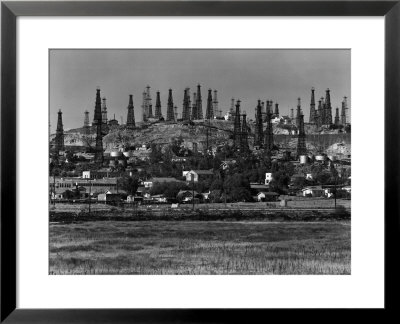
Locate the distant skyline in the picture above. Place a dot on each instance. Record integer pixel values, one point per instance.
(280, 75)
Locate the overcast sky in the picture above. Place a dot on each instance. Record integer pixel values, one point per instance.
(248, 75)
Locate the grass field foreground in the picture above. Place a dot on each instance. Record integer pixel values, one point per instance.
(173, 247)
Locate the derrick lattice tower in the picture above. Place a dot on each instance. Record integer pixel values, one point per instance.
(99, 135)
(244, 144)
(59, 140)
(343, 113)
(298, 113)
(276, 111)
(258, 134)
(158, 113)
(217, 112)
(301, 143)
(97, 108)
(236, 126)
(130, 119)
(186, 105)
(209, 110)
(328, 108)
(170, 107)
(312, 119)
(104, 111)
(269, 136)
(194, 107)
(199, 106)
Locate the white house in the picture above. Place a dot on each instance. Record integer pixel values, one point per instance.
(268, 178)
(267, 196)
(196, 175)
(314, 191)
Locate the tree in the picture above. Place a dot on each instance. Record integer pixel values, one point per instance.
(237, 188)
(323, 177)
(129, 184)
(168, 189)
(280, 181)
(68, 194)
(156, 154)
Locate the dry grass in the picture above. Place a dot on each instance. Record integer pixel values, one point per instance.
(157, 247)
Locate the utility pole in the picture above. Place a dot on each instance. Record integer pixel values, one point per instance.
(193, 190)
(335, 189)
(90, 193)
(54, 188)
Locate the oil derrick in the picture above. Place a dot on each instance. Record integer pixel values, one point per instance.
(276, 112)
(244, 144)
(144, 107)
(59, 140)
(186, 105)
(328, 108)
(319, 114)
(337, 118)
(199, 107)
(210, 110)
(215, 105)
(269, 136)
(130, 119)
(312, 119)
(262, 112)
(301, 144)
(343, 114)
(298, 113)
(98, 157)
(86, 120)
(97, 108)
(158, 113)
(322, 112)
(104, 111)
(268, 110)
(194, 108)
(170, 107)
(149, 106)
(236, 126)
(258, 134)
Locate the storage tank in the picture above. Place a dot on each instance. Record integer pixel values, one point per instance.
(116, 154)
(128, 154)
(303, 159)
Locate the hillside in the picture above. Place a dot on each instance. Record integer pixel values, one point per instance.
(220, 132)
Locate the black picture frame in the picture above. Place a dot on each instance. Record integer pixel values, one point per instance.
(10, 10)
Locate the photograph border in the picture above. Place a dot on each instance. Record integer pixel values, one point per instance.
(10, 10)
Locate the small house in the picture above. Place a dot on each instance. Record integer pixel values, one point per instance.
(267, 196)
(268, 178)
(313, 191)
(198, 175)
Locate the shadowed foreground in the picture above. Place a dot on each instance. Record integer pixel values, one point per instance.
(173, 247)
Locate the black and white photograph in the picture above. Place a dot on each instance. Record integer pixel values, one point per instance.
(199, 161)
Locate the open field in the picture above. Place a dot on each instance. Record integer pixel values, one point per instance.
(198, 247)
